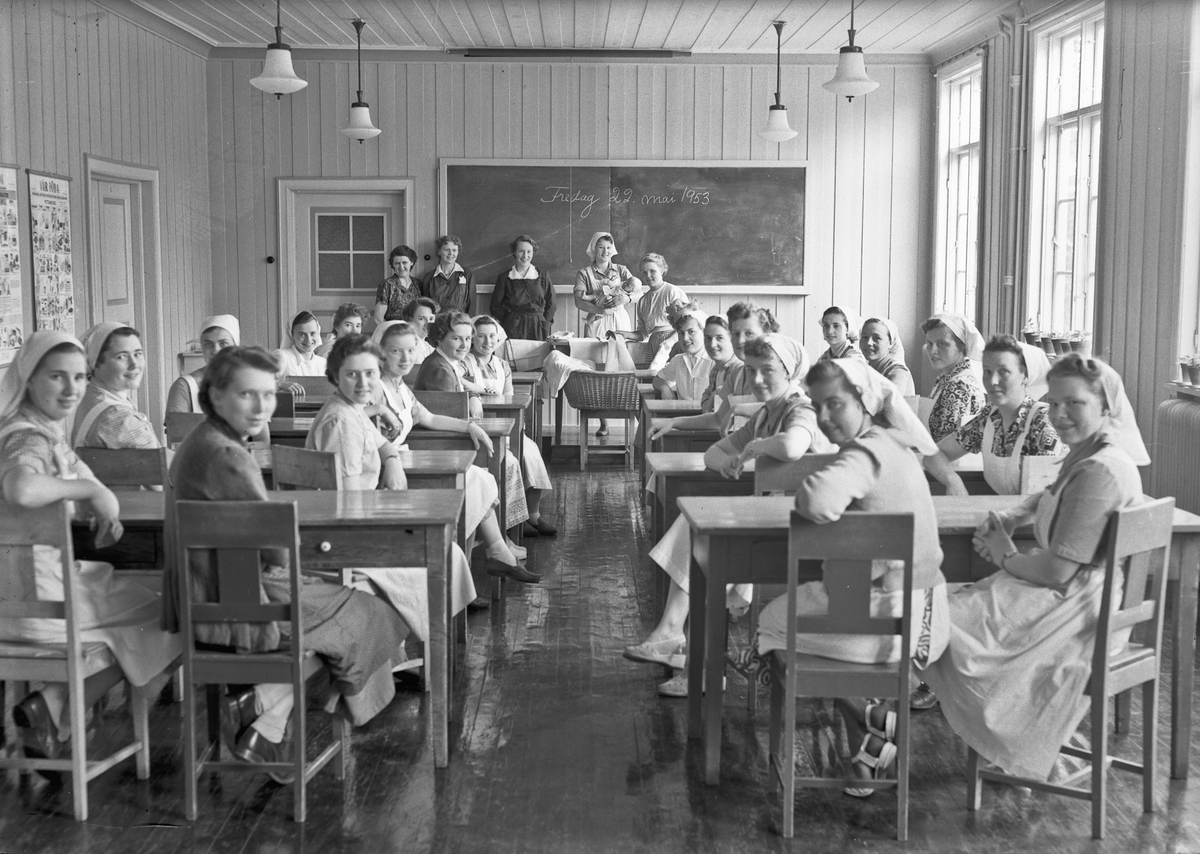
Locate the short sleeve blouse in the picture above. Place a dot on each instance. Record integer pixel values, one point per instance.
(1040, 441)
(795, 413)
(1087, 496)
(346, 430)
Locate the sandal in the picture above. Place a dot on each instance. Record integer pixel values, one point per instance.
(878, 765)
(888, 733)
(922, 699)
(654, 652)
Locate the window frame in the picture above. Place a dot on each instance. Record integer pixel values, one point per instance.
(315, 215)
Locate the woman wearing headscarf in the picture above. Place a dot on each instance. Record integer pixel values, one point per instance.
(880, 342)
(108, 417)
(839, 328)
(216, 333)
(954, 347)
(784, 428)
(604, 288)
(39, 391)
(875, 470)
(1013, 681)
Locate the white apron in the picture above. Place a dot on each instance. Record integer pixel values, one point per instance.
(194, 388)
(1003, 474)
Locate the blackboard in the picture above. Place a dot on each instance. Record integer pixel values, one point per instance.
(717, 224)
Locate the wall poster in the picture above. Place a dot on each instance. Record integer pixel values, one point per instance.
(12, 312)
(53, 288)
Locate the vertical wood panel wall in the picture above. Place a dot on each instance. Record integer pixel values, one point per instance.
(76, 79)
(868, 179)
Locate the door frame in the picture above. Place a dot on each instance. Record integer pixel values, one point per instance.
(289, 188)
(147, 261)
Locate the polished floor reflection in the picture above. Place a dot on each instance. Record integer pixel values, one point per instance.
(559, 745)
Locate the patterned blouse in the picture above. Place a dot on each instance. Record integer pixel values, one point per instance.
(1040, 441)
(958, 393)
(396, 295)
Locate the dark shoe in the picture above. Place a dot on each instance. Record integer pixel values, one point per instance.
(237, 713)
(516, 573)
(922, 699)
(527, 530)
(603, 431)
(479, 603)
(541, 526)
(38, 732)
(252, 747)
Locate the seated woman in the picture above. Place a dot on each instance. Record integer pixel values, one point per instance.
(419, 314)
(213, 464)
(450, 284)
(604, 288)
(875, 470)
(880, 342)
(487, 373)
(1013, 682)
(785, 428)
(1015, 425)
(398, 341)
(367, 460)
(39, 391)
(523, 300)
(301, 359)
(652, 323)
(952, 345)
(399, 289)
(347, 320)
(685, 376)
(216, 333)
(108, 417)
(839, 328)
(451, 333)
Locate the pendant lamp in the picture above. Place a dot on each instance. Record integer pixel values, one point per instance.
(777, 129)
(278, 77)
(851, 78)
(360, 126)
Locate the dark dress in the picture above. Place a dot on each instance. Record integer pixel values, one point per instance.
(456, 292)
(524, 307)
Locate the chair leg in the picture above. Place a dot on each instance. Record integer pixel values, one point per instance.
(752, 684)
(1122, 710)
(1099, 766)
(299, 742)
(177, 685)
(1149, 742)
(191, 807)
(79, 782)
(787, 762)
(903, 717)
(583, 441)
(139, 707)
(213, 716)
(974, 790)
(341, 732)
(629, 443)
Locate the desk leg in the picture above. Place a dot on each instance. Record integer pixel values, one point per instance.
(1187, 546)
(696, 619)
(714, 660)
(437, 550)
(558, 418)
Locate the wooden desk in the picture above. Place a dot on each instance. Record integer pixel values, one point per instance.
(498, 429)
(532, 382)
(290, 431)
(652, 409)
(724, 533)
(510, 406)
(371, 528)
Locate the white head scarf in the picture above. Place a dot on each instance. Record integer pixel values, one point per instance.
(966, 332)
(381, 330)
(896, 345)
(227, 322)
(881, 397)
(591, 250)
(15, 378)
(94, 338)
(853, 321)
(1037, 366)
(1122, 424)
(791, 354)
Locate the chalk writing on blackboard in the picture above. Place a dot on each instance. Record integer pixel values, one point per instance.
(565, 194)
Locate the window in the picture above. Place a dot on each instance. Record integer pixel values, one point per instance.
(959, 146)
(1067, 88)
(350, 251)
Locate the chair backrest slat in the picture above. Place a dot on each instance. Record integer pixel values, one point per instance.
(450, 403)
(301, 468)
(856, 536)
(238, 575)
(313, 385)
(124, 466)
(773, 476)
(21, 530)
(179, 424)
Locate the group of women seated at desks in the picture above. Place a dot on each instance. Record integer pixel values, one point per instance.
(1001, 655)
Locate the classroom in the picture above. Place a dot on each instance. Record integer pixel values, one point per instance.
(431, 358)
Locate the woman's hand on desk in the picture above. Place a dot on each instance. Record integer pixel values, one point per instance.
(480, 438)
(294, 388)
(662, 428)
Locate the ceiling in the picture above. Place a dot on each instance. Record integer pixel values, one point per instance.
(699, 26)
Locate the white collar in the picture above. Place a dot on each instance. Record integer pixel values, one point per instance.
(531, 273)
(458, 268)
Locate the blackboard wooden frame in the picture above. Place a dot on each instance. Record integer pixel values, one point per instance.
(443, 212)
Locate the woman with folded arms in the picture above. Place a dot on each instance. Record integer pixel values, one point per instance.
(398, 341)
(358, 635)
(39, 391)
(108, 417)
(880, 342)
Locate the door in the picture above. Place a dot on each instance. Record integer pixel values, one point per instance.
(112, 292)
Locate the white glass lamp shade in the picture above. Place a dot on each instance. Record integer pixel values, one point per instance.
(851, 78)
(777, 129)
(360, 126)
(278, 77)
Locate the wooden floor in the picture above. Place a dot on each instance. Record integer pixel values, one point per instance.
(561, 746)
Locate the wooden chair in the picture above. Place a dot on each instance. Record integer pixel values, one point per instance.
(454, 404)
(234, 532)
(604, 395)
(313, 385)
(1139, 545)
(116, 467)
(1038, 472)
(301, 468)
(285, 405)
(179, 424)
(81, 665)
(847, 546)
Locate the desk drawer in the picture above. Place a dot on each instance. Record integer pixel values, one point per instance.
(342, 547)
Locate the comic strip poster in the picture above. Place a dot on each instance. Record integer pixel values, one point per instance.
(53, 286)
(12, 315)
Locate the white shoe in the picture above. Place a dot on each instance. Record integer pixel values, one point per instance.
(519, 552)
(677, 686)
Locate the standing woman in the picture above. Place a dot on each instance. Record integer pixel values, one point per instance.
(603, 289)
(839, 328)
(952, 343)
(39, 391)
(1013, 681)
(108, 417)
(652, 313)
(216, 333)
(399, 289)
(301, 359)
(449, 284)
(523, 300)
(357, 634)
(880, 342)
